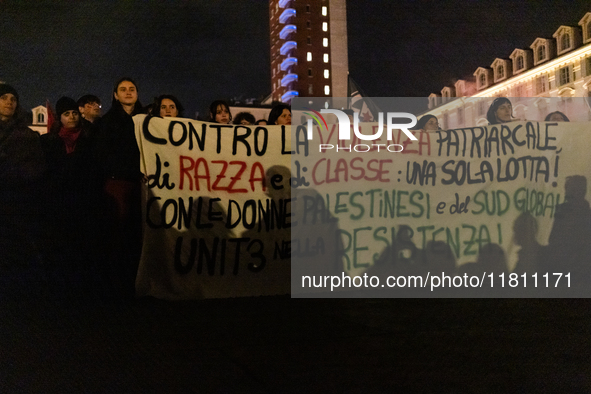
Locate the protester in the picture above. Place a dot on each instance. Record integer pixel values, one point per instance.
(556, 116)
(22, 166)
(500, 111)
(261, 122)
(219, 112)
(119, 158)
(428, 123)
(89, 107)
(72, 193)
(280, 115)
(244, 118)
(167, 105)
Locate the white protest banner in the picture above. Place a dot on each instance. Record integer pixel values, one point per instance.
(213, 226)
(494, 199)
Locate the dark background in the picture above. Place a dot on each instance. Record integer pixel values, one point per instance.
(205, 50)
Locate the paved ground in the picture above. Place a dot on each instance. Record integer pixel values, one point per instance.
(276, 344)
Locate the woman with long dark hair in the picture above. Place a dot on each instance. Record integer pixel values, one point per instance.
(280, 115)
(167, 105)
(500, 111)
(119, 158)
(427, 123)
(219, 112)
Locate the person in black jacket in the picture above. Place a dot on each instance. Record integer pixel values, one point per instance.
(72, 195)
(119, 159)
(21, 170)
(72, 182)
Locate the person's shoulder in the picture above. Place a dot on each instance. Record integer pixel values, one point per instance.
(24, 131)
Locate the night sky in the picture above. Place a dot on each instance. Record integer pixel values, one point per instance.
(204, 50)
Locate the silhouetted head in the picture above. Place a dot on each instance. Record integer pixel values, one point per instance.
(575, 188)
(277, 179)
(525, 229)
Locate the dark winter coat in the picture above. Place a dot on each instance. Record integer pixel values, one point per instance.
(22, 167)
(117, 148)
(72, 178)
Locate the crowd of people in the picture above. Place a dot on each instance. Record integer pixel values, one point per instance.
(70, 198)
(500, 111)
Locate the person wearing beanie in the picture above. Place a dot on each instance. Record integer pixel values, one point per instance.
(21, 170)
(72, 191)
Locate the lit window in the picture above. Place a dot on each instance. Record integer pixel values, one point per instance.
(565, 42)
(325, 42)
(564, 75)
(324, 26)
(310, 89)
(519, 62)
(541, 52)
(324, 11)
(326, 75)
(309, 56)
(326, 58)
(326, 90)
(541, 83)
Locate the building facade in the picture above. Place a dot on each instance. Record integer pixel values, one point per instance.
(551, 67)
(308, 49)
(39, 121)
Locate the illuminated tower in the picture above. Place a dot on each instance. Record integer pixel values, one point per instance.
(308, 48)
